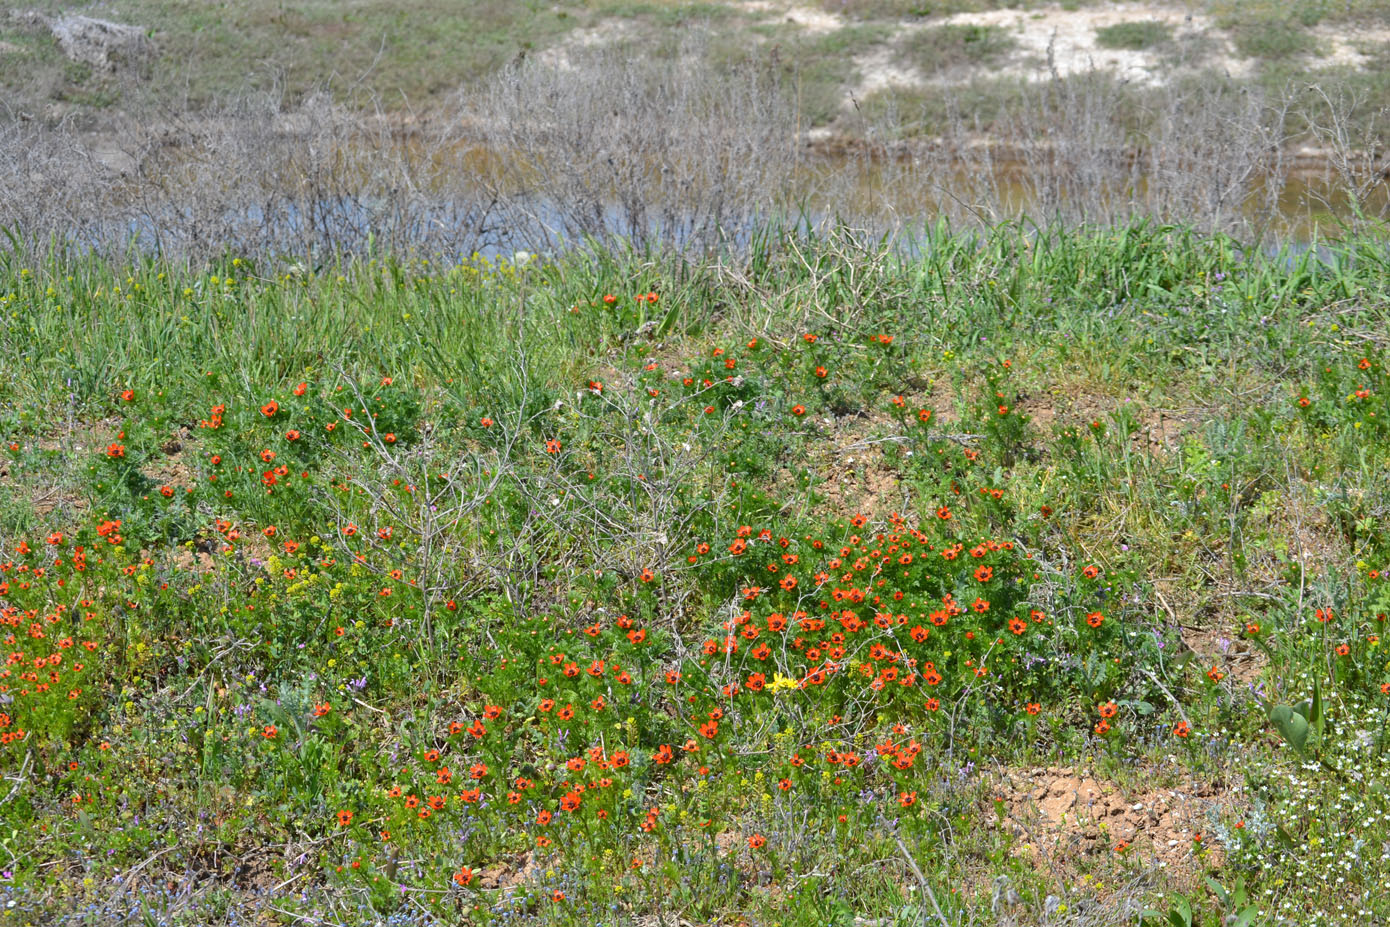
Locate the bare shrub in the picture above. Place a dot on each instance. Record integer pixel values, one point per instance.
(1085, 149)
(648, 150)
(671, 153)
(248, 177)
(1356, 164)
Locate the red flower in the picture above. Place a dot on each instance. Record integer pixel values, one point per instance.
(270, 408)
(344, 818)
(757, 841)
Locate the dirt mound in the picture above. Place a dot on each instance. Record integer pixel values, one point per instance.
(1062, 814)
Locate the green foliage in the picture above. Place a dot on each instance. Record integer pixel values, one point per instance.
(601, 603)
(1272, 39)
(939, 48)
(1135, 36)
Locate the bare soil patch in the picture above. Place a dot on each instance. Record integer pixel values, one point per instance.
(1064, 815)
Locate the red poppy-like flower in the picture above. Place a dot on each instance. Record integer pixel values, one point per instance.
(344, 818)
(270, 408)
(757, 841)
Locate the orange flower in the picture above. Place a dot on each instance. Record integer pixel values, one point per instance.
(757, 841)
(270, 408)
(344, 818)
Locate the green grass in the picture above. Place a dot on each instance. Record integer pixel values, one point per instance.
(1182, 442)
(369, 53)
(943, 48)
(1135, 36)
(366, 47)
(1272, 40)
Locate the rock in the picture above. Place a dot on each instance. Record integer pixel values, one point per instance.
(104, 45)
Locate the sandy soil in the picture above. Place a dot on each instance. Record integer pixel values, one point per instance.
(1047, 39)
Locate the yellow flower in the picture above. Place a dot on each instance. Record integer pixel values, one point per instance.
(782, 683)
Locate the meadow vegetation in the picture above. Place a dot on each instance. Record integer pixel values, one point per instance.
(589, 500)
(1038, 578)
